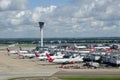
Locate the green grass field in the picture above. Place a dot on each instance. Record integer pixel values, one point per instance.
(91, 78)
(70, 78)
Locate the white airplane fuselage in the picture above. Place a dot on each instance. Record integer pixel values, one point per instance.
(61, 61)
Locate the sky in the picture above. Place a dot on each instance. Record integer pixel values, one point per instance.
(63, 18)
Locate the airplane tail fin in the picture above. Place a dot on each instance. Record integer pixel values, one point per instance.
(36, 54)
(49, 57)
(108, 51)
(92, 49)
(66, 48)
(8, 50)
(75, 46)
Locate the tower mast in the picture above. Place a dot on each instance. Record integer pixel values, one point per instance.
(41, 25)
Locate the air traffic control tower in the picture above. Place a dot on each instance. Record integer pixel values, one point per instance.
(41, 25)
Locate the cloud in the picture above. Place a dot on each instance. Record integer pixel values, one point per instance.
(4, 4)
(12, 4)
(41, 12)
(78, 18)
(22, 21)
(107, 28)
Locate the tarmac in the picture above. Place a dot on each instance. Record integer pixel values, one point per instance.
(12, 67)
(8, 75)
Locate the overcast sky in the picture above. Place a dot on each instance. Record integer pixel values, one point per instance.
(63, 18)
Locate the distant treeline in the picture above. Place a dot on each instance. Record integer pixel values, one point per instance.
(60, 40)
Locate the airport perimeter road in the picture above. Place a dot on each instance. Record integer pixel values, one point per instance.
(8, 75)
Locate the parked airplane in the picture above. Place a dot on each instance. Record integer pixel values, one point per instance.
(107, 52)
(115, 59)
(43, 56)
(59, 61)
(77, 58)
(102, 47)
(14, 51)
(112, 59)
(96, 56)
(87, 51)
(79, 47)
(92, 64)
(11, 52)
(25, 55)
(66, 60)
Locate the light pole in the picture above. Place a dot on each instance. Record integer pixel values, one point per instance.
(41, 25)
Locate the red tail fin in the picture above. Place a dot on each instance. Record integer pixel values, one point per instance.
(108, 50)
(8, 50)
(66, 48)
(36, 54)
(92, 50)
(49, 57)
